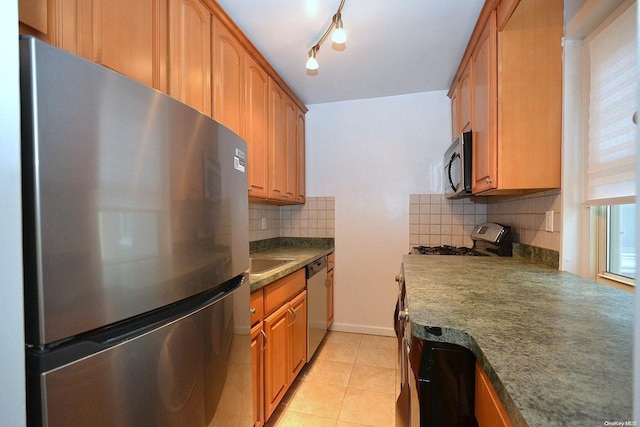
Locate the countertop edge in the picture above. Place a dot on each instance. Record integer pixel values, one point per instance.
(302, 257)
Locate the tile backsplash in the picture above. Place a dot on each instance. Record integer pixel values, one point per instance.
(526, 216)
(316, 218)
(436, 220)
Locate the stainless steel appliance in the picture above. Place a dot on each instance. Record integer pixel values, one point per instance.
(437, 379)
(457, 167)
(317, 303)
(136, 243)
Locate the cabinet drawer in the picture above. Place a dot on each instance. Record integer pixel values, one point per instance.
(282, 290)
(257, 306)
(330, 261)
(488, 408)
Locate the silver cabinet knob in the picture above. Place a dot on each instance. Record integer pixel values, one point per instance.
(398, 278)
(252, 311)
(488, 180)
(403, 315)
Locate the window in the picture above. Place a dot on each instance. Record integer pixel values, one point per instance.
(617, 251)
(612, 138)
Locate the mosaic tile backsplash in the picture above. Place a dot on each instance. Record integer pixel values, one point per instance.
(316, 218)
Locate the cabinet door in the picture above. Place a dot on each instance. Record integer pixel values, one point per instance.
(256, 129)
(257, 374)
(228, 78)
(484, 105)
(329, 298)
(276, 359)
(33, 16)
(465, 100)
(302, 182)
(455, 111)
(130, 37)
(190, 54)
(489, 410)
(298, 335)
(277, 143)
(291, 117)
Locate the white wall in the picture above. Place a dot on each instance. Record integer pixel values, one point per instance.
(371, 154)
(12, 398)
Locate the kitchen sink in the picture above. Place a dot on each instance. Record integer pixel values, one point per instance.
(260, 265)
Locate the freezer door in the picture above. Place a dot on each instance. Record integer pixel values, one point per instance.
(195, 371)
(132, 200)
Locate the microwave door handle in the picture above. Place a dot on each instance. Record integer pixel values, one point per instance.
(453, 157)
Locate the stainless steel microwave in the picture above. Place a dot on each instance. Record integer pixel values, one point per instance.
(457, 167)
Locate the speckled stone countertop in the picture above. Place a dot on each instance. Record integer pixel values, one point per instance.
(557, 347)
(302, 252)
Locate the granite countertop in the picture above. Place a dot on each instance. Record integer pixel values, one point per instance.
(557, 348)
(302, 251)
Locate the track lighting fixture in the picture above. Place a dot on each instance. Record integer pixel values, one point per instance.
(339, 37)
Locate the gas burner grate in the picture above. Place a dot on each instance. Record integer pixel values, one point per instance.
(446, 250)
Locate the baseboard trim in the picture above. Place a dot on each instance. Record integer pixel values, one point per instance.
(362, 329)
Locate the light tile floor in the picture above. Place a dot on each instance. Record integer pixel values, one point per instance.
(350, 382)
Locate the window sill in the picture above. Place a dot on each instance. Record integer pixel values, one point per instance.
(616, 281)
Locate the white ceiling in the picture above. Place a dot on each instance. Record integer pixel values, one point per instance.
(393, 47)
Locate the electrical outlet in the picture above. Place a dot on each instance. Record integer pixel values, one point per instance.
(264, 223)
(549, 221)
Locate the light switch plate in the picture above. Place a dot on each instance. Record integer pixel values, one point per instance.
(549, 221)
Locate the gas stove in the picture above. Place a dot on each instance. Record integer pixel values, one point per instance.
(489, 239)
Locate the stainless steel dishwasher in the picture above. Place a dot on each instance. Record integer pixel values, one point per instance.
(317, 304)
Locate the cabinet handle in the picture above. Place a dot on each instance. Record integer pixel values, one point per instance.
(398, 278)
(264, 340)
(488, 180)
(249, 189)
(252, 310)
(293, 314)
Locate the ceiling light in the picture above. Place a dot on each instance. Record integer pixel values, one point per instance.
(339, 37)
(312, 62)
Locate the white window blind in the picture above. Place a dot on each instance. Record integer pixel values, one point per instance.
(613, 67)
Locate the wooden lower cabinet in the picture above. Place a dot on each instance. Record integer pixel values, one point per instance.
(257, 373)
(330, 263)
(286, 351)
(488, 408)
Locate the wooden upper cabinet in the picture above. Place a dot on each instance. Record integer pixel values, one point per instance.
(455, 111)
(291, 122)
(228, 78)
(514, 73)
(530, 97)
(190, 53)
(301, 193)
(461, 110)
(256, 128)
(277, 143)
(129, 37)
(34, 17)
(484, 104)
(465, 99)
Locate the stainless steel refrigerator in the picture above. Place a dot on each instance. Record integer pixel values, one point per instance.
(136, 243)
